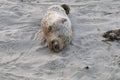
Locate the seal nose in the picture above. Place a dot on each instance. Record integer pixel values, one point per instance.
(55, 45)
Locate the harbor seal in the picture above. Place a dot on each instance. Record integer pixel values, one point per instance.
(56, 27)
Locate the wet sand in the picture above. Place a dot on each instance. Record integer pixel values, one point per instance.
(87, 58)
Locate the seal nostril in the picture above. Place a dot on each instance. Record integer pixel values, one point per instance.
(55, 45)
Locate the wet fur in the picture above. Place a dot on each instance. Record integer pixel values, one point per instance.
(57, 26)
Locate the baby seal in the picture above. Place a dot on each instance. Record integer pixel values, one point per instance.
(56, 27)
(112, 35)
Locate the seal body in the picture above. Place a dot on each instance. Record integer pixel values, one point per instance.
(56, 27)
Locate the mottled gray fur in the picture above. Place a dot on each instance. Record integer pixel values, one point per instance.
(56, 27)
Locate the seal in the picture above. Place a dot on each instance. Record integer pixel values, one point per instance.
(56, 27)
(112, 35)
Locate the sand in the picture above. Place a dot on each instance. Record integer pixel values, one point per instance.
(86, 58)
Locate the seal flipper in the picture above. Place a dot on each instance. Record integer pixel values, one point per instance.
(66, 8)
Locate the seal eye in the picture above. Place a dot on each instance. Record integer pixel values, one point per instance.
(59, 36)
(49, 28)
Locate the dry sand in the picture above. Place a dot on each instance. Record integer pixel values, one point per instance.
(87, 58)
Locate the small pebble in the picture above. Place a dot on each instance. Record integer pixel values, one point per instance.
(87, 67)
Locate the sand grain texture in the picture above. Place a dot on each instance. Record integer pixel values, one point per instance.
(22, 59)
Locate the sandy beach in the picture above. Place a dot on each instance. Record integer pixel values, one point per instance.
(86, 58)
